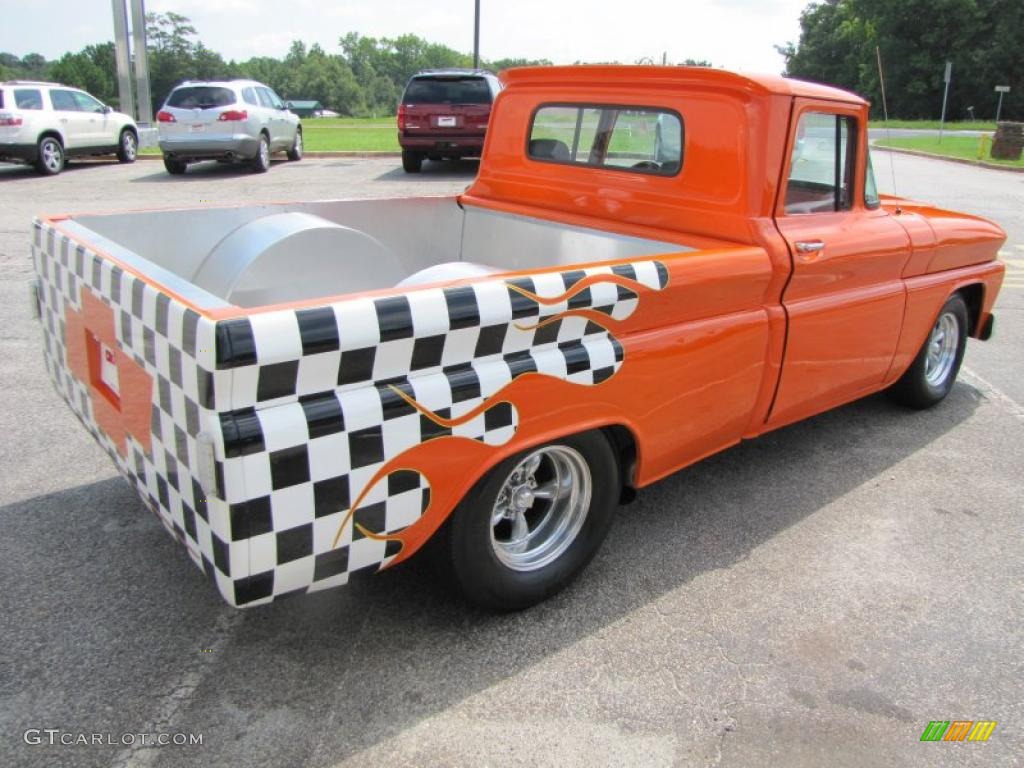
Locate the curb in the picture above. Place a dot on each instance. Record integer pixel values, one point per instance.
(362, 154)
(960, 160)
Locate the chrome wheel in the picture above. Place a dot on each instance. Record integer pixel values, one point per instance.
(296, 153)
(942, 349)
(52, 155)
(540, 508)
(129, 146)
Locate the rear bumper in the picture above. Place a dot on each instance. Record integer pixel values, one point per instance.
(209, 147)
(446, 145)
(25, 153)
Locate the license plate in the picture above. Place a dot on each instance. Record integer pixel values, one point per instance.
(446, 122)
(197, 128)
(108, 369)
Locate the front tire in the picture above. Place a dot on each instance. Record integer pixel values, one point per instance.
(127, 146)
(261, 163)
(534, 521)
(295, 153)
(411, 161)
(50, 156)
(931, 376)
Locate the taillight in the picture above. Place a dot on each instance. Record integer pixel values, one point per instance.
(165, 117)
(233, 115)
(401, 117)
(10, 121)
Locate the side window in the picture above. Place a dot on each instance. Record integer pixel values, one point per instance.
(28, 98)
(821, 168)
(249, 96)
(265, 98)
(63, 100)
(275, 100)
(638, 139)
(871, 198)
(87, 103)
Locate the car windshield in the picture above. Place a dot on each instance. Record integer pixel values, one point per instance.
(201, 97)
(447, 90)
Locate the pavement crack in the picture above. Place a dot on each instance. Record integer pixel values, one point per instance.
(142, 754)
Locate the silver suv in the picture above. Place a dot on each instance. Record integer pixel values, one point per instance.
(45, 123)
(236, 120)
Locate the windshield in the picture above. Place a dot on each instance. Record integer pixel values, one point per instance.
(447, 90)
(201, 97)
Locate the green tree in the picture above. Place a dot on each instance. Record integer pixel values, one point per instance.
(916, 38)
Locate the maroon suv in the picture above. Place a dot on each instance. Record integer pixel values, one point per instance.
(444, 114)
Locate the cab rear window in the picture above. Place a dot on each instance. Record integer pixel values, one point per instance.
(626, 138)
(447, 90)
(201, 97)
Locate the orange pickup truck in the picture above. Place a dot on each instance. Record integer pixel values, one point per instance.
(652, 265)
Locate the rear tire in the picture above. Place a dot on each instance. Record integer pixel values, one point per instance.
(127, 146)
(534, 521)
(50, 157)
(295, 153)
(261, 163)
(411, 161)
(931, 376)
(175, 167)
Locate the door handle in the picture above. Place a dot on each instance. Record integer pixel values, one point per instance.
(810, 246)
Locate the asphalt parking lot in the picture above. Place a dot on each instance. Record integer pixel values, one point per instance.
(814, 597)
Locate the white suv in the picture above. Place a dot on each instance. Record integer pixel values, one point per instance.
(236, 120)
(45, 123)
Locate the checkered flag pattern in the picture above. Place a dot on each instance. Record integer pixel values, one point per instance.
(174, 345)
(306, 406)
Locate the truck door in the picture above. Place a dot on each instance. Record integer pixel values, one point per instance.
(845, 297)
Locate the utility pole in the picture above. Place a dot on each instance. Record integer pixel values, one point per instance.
(141, 63)
(123, 58)
(128, 51)
(945, 96)
(476, 36)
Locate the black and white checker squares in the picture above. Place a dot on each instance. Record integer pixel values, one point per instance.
(305, 407)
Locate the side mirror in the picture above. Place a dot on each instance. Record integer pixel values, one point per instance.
(107, 109)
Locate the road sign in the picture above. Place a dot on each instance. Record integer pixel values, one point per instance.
(949, 72)
(1001, 89)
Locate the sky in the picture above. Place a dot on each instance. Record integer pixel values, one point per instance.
(735, 34)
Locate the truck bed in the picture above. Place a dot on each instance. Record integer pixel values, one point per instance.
(250, 256)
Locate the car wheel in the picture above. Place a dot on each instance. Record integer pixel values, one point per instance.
(295, 153)
(175, 167)
(50, 156)
(261, 163)
(933, 372)
(411, 161)
(534, 521)
(127, 146)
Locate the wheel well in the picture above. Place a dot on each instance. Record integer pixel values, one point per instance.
(130, 128)
(623, 444)
(51, 134)
(973, 295)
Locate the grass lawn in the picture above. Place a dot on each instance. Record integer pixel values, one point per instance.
(952, 146)
(933, 125)
(350, 134)
(342, 134)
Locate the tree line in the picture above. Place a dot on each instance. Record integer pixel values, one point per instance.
(365, 78)
(981, 38)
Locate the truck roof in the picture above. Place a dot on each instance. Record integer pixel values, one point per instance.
(682, 76)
